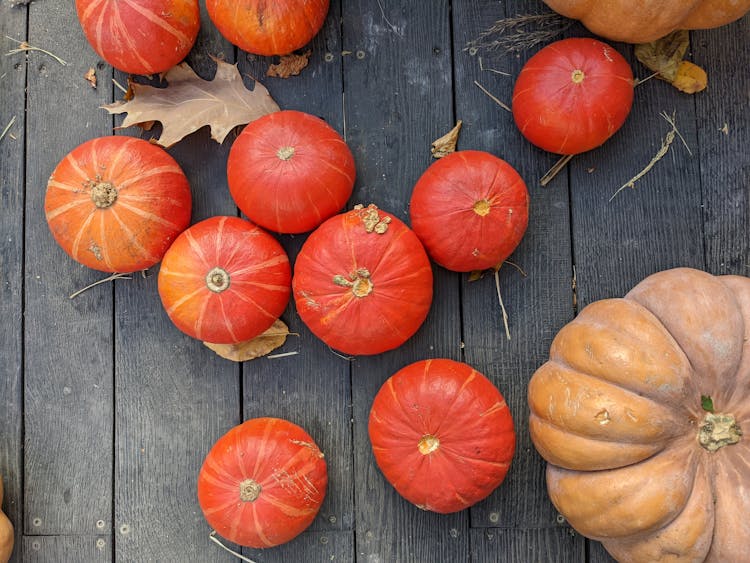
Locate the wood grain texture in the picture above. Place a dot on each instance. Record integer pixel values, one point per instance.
(723, 139)
(655, 226)
(292, 387)
(54, 549)
(324, 546)
(547, 545)
(397, 83)
(174, 397)
(68, 365)
(539, 302)
(12, 147)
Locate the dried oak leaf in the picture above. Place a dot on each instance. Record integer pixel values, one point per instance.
(289, 65)
(447, 143)
(261, 345)
(665, 57)
(189, 103)
(90, 76)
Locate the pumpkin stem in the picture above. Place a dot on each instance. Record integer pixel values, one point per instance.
(718, 430)
(103, 194)
(285, 153)
(428, 444)
(360, 282)
(482, 207)
(577, 76)
(249, 490)
(217, 280)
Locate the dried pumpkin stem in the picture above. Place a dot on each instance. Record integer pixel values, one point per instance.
(217, 280)
(718, 430)
(360, 282)
(285, 153)
(103, 194)
(428, 444)
(249, 490)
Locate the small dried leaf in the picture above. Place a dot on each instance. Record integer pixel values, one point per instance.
(189, 103)
(476, 275)
(447, 143)
(289, 65)
(690, 78)
(261, 345)
(91, 76)
(664, 55)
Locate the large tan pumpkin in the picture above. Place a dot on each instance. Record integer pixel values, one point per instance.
(641, 21)
(619, 411)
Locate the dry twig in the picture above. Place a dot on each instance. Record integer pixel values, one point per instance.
(7, 127)
(519, 33)
(492, 97)
(113, 277)
(213, 538)
(24, 47)
(502, 305)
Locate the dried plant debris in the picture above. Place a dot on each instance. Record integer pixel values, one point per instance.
(257, 347)
(90, 76)
(665, 57)
(663, 149)
(447, 143)
(189, 103)
(289, 65)
(520, 33)
(24, 47)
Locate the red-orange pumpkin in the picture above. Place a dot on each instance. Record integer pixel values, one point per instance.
(116, 203)
(643, 413)
(442, 434)
(224, 280)
(470, 209)
(573, 95)
(363, 282)
(268, 28)
(289, 171)
(140, 36)
(262, 483)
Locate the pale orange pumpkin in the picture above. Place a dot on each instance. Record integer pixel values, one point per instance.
(622, 20)
(6, 531)
(622, 413)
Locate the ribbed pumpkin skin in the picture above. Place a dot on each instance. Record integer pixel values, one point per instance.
(140, 36)
(617, 410)
(115, 204)
(564, 112)
(289, 171)
(265, 27)
(286, 464)
(648, 20)
(442, 434)
(389, 270)
(224, 280)
(470, 209)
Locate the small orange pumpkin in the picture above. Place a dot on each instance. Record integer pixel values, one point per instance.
(643, 411)
(6, 531)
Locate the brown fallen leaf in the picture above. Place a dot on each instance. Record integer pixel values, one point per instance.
(665, 57)
(447, 143)
(189, 103)
(261, 345)
(91, 77)
(289, 65)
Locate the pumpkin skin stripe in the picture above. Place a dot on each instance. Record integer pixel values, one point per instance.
(148, 175)
(75, 248)
(128, 232)
(119, 32)
(153, 18)
(149, 216)
(66, 207)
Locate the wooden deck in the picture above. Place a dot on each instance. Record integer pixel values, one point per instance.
(107, 410)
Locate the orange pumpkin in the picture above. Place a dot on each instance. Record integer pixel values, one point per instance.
(6, 531)
(620, 20)
(640, 412)
(116, 203)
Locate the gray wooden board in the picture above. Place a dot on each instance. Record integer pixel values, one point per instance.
(541, 545)
(12, 102)
(397, 83)
(330, 546)
(68, 367)
(724, 154)
(174, 398)
(310, 388)
(58, 549)
(539, 302)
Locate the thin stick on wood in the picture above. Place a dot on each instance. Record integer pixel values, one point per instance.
(7, 127)
(120, 86)
(502, 305)
(483, 68)
(492, 97)
(113, 277)
(335, 353)
(284, 355)
(23, 47)
(638, 81)
(517, 267)
(555, 170)
(213, 538)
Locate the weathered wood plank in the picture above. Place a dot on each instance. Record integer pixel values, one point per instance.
(174, 397)
(68, 362)
(54, 549)
(12, 152)
(539, 302)
(397, 81)
(323, 546)
(723, 141)
(292, 387)
(545, 545)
